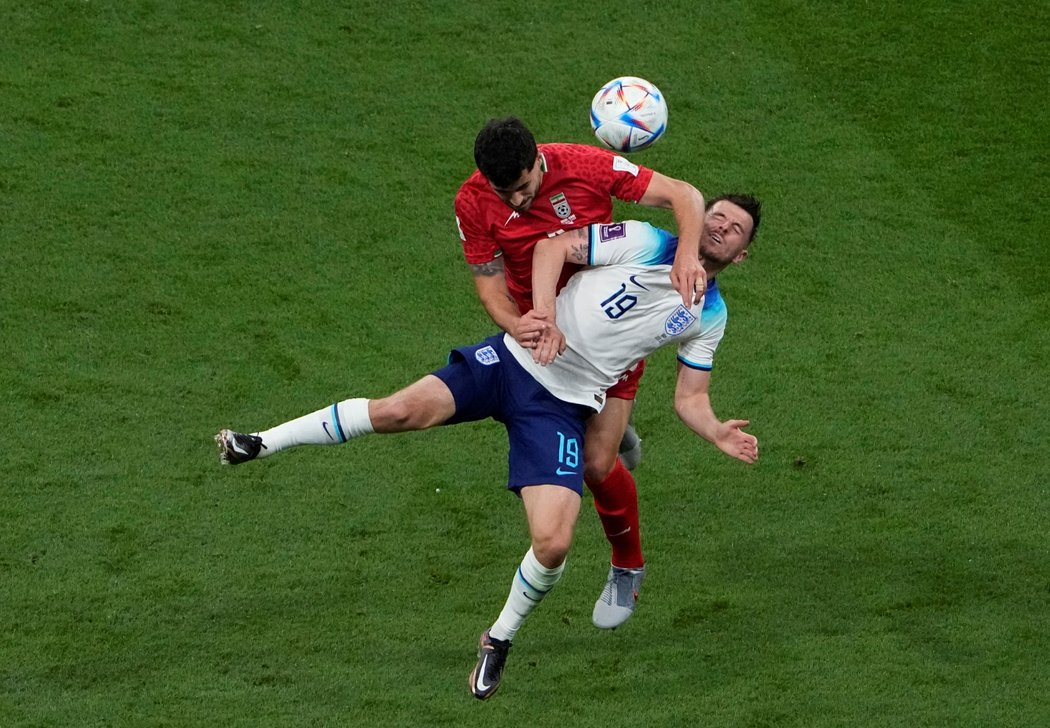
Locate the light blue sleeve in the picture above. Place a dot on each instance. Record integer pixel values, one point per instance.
(631, 242)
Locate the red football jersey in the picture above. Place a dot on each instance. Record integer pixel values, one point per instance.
(578, 185)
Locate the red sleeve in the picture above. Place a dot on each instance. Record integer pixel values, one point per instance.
(478, 246)
(630, 181)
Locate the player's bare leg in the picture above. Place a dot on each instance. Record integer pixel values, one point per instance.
(602, 442)
(552, 511)
(418, 406)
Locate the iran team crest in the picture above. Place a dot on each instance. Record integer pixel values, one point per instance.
(679, 320)
(561, 206)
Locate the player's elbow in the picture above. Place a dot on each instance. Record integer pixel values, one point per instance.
(678, 192)
(553, 249)
(681, 408)
(689, 407)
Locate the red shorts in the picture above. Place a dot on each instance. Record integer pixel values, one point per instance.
(627, 386)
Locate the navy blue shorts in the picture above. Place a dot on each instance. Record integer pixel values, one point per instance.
(545, 433)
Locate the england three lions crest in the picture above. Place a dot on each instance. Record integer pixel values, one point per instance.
(679, 320)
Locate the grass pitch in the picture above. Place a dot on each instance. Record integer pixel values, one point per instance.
(230, 214)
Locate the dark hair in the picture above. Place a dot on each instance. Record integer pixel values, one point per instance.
(504, 149)
(748, 203)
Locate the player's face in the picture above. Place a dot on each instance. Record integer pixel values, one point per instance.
(521, 193)
(727, 229)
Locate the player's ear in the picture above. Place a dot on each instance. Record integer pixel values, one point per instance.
(740, 256)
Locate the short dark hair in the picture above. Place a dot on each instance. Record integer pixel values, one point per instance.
(748, 203)
(504, 149)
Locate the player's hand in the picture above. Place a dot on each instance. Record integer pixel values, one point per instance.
(736, 443)
(550, 345)
(528, 329)
(689, 279)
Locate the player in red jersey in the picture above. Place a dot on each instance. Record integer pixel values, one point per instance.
(523, 192)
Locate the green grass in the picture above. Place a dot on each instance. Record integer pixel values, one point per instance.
(230, 214)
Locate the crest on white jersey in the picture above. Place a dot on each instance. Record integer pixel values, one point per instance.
(679, 320)
(486, 355)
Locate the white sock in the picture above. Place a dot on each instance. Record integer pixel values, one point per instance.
(532, 582)
(332, 425)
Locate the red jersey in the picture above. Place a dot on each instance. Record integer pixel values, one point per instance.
(579, 182)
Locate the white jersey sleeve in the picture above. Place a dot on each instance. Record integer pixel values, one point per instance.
(631, 243)
(621, 309)
(699, 351)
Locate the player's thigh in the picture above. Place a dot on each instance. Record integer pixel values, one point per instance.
(551, 511)
(604, 431)
(422, 404)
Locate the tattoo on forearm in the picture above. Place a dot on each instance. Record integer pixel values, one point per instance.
(578, 253)
(579, 245)
(487, 270)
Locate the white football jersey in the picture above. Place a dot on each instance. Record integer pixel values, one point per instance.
(620, 309)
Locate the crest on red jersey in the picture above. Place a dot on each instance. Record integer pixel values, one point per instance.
(561, 206)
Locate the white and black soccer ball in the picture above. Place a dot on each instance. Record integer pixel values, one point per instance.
(628, 114)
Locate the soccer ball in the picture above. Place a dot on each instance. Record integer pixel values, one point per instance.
(628, 114)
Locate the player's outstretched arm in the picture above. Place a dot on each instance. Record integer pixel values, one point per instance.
(687, 275)
(548, 258)
(692, 403)
(492, 289)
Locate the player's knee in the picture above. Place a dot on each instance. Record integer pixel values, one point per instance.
(394, 414)
(551, 548)
(597, 465)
